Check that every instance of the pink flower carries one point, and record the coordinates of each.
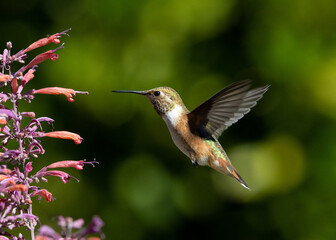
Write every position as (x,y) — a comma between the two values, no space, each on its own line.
(38,59)
(58,90)
(44,41)
(71,163)
(28,114)
(65,164)
(6,170)
(4,78)
(64,135)
(28,76)
(62,175)
(2,177)
(43,193)
(41,58)
(28,168)
(7,182)
(47,233)
(16,187)
(43,238)
(6,113)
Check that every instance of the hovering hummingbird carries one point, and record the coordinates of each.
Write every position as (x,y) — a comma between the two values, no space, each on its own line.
(195,133)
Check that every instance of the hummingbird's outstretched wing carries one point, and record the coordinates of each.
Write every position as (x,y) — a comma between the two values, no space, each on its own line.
(224,108)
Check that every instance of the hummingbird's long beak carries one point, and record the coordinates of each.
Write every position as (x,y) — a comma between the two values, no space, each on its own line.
(129,91)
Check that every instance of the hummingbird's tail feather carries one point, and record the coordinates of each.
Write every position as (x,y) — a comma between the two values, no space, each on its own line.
(223,165)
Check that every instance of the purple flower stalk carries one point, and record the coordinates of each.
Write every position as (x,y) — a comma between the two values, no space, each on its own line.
(72,229)
(18,184)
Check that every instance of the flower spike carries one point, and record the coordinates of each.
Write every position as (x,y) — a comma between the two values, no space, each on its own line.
(18,184)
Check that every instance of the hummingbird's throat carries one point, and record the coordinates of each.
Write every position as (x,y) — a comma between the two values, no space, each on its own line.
(162,107)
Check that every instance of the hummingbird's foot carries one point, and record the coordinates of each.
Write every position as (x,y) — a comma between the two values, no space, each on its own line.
(194,163)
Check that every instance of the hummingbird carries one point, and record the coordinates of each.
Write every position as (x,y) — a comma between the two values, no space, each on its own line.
(196,133)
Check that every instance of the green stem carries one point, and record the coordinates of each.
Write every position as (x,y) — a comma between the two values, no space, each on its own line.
(31,224)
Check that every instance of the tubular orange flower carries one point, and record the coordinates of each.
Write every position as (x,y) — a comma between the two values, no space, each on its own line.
(42,238)
(2,177)
(16,187)
(62,175)
(3,121)
(5,171)
(8,182)
(38,59)
(28,114)
(58,90)
(65,164)
(28,76)
(43,193)
(4,78)
(41,58)
(65,135)
(44,41)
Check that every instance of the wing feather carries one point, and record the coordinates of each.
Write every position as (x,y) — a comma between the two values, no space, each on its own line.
(224,108)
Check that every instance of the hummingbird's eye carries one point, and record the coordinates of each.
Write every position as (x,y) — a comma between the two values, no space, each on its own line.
(157,93)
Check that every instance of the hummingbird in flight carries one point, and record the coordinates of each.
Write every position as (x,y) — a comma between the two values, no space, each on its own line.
(196,133)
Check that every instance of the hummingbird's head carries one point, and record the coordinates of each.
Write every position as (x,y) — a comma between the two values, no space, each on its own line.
(163,99)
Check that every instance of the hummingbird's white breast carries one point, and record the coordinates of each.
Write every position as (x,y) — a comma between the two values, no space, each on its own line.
(172,119)
(177,123)
(173,116)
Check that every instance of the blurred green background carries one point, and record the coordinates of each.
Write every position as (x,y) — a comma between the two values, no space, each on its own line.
(144,187)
